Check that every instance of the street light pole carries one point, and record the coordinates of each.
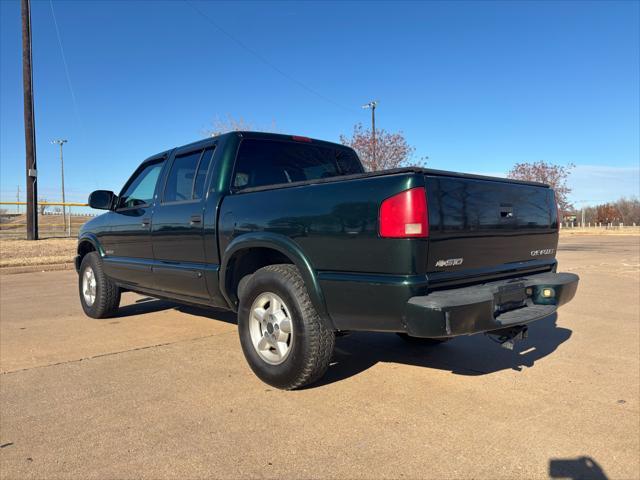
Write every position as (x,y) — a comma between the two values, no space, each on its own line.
(372,105)
(61,142)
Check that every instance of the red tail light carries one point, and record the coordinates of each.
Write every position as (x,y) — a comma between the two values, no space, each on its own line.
(405,215)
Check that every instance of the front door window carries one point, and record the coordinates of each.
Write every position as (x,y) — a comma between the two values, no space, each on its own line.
(140,188)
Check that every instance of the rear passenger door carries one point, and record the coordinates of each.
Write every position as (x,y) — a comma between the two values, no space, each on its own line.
(178,224)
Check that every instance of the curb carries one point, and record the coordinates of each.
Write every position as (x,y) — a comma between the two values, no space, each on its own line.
(36,268)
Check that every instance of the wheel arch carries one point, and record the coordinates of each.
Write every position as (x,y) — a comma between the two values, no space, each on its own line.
(87,243)
(262,249)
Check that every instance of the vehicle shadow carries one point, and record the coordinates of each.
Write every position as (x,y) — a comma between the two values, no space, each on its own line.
(582,468)
(219,314)
(469,355)
(359,351)
(151,305)
(142,306)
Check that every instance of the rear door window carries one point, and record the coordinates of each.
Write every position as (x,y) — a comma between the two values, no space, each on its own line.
(201,175)
(271,162)
(187,176)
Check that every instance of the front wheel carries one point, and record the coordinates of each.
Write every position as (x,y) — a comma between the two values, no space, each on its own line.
(283,338)
(99,295)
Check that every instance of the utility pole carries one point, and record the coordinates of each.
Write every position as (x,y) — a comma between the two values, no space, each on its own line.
(29,124)
(582,212)
(372,105)
(18,200)
(61,142)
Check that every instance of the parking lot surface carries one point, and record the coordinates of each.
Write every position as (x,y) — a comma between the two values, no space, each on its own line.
(163,391)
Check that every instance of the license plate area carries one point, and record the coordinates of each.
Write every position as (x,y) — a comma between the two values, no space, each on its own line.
(510,296)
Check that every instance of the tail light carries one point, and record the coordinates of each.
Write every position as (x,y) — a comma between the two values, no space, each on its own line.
(405,215)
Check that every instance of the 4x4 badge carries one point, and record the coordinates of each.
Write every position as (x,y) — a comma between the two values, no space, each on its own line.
(449,262)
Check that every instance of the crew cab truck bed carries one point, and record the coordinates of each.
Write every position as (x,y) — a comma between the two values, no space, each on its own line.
(292,234)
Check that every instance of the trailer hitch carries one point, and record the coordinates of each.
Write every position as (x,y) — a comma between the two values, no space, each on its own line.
(507,337)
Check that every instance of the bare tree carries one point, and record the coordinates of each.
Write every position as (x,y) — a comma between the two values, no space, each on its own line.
(554,175)
(42,208)
(391,149)
(232,124)
(629,210)
(590,214)
(625,210)
(607,213)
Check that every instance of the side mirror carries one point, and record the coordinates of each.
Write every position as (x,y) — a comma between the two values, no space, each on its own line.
(102,200)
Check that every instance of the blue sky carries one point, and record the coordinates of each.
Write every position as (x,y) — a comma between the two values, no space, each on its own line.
(475,86)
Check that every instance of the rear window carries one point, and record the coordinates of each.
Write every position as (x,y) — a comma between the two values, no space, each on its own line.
(271,162)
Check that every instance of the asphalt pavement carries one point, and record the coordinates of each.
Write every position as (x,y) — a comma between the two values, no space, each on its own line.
(163,391)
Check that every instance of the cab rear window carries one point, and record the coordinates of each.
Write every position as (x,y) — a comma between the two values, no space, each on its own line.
(272,162)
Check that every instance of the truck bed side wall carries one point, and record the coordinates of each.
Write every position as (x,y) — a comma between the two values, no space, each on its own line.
(336,226)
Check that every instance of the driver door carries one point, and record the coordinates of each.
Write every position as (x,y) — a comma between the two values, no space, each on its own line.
(128,251)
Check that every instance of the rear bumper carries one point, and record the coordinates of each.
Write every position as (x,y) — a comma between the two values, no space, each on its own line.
(490,306)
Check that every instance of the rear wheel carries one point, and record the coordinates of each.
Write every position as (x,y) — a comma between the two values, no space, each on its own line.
(423,341)
(283,338)
(99,295)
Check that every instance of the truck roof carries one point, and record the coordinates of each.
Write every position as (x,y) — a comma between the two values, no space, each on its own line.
(410,169)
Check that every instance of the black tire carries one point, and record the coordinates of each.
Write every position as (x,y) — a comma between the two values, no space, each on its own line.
(107,293)
(242,285)
(422,341)
(312,342)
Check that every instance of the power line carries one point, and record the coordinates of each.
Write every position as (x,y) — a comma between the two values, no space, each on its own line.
(64,61)
(267,62)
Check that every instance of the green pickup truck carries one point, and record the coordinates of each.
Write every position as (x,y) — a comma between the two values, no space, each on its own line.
(293,235)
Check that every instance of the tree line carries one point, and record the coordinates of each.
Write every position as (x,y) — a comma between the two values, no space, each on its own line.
(625,210)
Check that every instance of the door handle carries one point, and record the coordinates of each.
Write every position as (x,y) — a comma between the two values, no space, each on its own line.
(506,212)
(145,222)
(196,219)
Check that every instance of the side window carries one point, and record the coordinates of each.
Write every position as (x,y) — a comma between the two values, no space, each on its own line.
(201,175)
(187,176)
(140,188)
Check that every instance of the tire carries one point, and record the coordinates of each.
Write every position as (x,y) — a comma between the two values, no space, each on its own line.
(423,341)
(242,284)
(291,347)
(102,297)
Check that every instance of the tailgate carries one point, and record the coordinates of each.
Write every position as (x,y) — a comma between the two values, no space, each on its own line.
(483,224)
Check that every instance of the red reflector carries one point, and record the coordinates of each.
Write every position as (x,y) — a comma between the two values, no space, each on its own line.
(405,215)
(301,139)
